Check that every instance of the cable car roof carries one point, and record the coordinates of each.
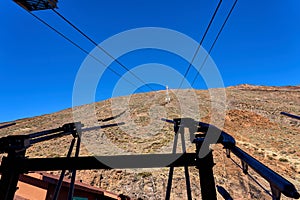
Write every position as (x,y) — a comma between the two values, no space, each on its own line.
(33,5)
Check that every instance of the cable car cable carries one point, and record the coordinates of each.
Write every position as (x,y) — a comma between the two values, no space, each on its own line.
(101,48)
(79,47)
(200,43)
(218,35)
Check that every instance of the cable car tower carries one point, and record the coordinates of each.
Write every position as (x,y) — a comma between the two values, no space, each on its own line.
(168,99)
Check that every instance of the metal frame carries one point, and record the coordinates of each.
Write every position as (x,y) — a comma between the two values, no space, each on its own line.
(15,163)
(34,5)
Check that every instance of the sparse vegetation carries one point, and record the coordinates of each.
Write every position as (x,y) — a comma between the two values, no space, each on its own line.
(252,118)
(145,174)
(283,160)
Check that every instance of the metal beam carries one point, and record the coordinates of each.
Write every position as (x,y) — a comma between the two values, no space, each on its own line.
(104,162)
(278,182)
(290,115)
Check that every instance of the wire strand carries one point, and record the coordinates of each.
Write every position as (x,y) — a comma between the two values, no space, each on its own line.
(79,47)
(211,48)
(200,43)
(101,48)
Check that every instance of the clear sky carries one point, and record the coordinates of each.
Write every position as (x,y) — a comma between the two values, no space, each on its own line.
(259,45)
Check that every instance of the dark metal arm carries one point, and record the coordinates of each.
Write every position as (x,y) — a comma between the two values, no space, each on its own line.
(290,115)
(7,125)
(275,180)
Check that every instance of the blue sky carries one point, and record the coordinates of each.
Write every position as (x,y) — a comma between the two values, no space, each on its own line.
(259,45)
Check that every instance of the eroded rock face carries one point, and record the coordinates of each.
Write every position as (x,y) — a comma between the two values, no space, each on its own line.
(252,117)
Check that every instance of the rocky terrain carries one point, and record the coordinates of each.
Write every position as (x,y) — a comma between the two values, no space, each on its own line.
(252,117)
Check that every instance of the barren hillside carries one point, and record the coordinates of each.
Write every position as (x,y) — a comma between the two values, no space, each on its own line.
(252,118)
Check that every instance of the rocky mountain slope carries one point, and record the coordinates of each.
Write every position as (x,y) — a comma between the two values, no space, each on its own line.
(252,118)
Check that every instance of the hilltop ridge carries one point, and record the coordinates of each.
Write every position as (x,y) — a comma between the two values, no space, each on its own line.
(252,117)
